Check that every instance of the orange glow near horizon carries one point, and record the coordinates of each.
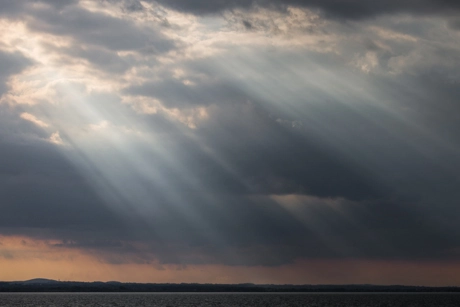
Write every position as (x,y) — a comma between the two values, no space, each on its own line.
(23,258)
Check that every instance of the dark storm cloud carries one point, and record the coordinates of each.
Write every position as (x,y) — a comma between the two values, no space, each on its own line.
(273,159)
(41,189)
(248,232)
(354,9)
(44,196)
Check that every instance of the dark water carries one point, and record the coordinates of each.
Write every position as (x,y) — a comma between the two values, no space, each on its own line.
(228,299)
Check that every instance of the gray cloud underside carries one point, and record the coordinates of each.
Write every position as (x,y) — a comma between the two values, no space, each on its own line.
(43,191)
(355,9)
(45,196)
(229,229)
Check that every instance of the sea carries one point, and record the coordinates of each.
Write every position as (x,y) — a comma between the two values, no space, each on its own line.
(229,299)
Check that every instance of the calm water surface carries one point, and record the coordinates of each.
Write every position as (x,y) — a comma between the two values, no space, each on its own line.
(228,299)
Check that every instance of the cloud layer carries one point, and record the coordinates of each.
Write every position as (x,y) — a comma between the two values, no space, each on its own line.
(252,133)
(355,9)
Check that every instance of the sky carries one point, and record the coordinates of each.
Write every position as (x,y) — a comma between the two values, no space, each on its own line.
(264,141)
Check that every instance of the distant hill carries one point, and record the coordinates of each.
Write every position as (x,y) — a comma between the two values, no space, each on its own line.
(38,281)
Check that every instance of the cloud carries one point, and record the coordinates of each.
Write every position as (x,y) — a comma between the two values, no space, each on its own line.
(454,24)
(256,137)
(91,28)
(55,138)
(14,8)
(33,119)
(355,9)
(10,63)
(176,93)
(170,221)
